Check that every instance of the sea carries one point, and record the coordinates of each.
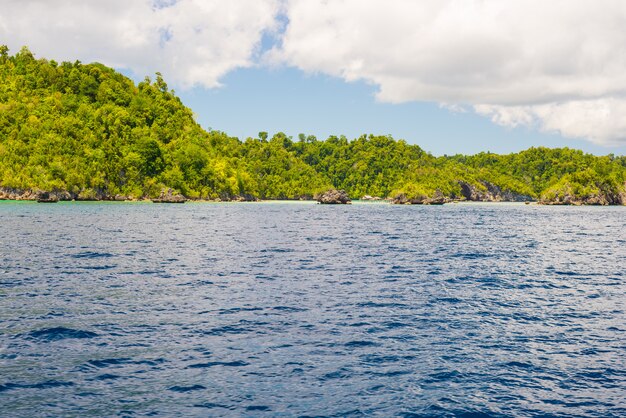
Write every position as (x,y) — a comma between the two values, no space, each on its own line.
(292,309)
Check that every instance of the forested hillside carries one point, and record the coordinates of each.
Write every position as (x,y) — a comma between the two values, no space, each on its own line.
(84,131)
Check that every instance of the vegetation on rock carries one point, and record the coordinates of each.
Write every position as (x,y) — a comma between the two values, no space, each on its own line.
(85,131)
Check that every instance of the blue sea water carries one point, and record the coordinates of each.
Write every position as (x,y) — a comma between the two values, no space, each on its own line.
(294,309)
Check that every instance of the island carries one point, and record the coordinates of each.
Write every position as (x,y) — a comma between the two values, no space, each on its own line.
(74,131)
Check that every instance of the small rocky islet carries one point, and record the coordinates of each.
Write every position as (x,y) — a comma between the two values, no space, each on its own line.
(170,196)
(333,197)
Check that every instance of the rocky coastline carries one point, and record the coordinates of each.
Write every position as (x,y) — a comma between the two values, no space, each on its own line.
(600,199)
(166,196)
(494,193)
(469,193)
(491,193)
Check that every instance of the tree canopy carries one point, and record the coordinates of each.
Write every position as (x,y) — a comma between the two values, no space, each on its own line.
(91,131)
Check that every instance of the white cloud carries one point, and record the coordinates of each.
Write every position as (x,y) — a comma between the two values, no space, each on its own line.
(601,121)
(192,42)
(559,65)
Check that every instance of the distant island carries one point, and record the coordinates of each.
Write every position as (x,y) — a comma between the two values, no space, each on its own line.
(73,131)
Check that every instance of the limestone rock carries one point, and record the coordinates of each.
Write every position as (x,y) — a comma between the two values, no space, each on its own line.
(47,197)
(333,197)
(170,196)
(493,193)
(244,198)
(437,199)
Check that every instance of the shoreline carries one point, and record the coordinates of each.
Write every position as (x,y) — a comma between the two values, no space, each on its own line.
(294,202)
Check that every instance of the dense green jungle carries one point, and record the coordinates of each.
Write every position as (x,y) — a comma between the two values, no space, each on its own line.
(87,132)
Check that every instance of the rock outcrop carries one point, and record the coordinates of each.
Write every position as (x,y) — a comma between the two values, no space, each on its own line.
(401,199)
(601,199)
(622,196)
(604,195)
(437,199)
(8,193)
(170,196)
(244,198)
(47,197)
(333,197)
(492,193)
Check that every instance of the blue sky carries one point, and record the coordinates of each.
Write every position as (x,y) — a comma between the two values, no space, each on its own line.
(288,100)
(524,73)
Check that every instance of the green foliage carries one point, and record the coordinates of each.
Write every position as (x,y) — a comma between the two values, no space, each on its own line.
(585,184)
(278,170)
(89,130)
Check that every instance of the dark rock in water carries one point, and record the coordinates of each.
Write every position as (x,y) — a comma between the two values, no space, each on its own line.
(53,196)
(401,199)
(333,197)
(169,196)
(437,199)
(46,197)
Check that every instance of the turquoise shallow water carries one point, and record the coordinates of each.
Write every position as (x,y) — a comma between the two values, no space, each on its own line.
(288,309)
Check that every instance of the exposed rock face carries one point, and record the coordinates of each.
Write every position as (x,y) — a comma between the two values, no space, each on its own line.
(7,193)
(492,194)
(605,196)
(368,197)
(90,195)
(169,196)
(469,192)
(47,197)
(437,199)
(333,197)
(401,199)
(602,199)
(622,196)
(244,198)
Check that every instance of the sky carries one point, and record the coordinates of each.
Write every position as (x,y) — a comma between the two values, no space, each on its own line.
(453,76)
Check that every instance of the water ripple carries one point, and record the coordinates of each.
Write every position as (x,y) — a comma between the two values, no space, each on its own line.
(292,309)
